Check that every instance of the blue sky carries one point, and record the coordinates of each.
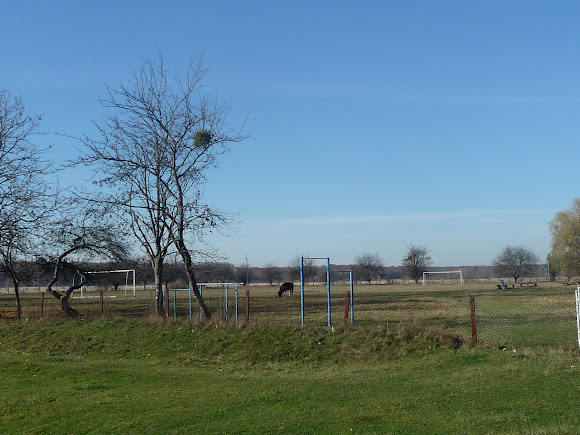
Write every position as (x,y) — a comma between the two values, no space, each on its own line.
(374,124)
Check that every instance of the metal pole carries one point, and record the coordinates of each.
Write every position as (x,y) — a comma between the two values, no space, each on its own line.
(302,288)
(226,295)
(166,303)
(351,299)
(236,303)
(328,289)
(190,312)
(175,304)
(201,311)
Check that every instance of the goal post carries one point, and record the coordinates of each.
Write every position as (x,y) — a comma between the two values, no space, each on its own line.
(127,272)
(444,272)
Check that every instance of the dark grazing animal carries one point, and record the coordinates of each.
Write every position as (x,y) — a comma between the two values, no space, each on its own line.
(287,286)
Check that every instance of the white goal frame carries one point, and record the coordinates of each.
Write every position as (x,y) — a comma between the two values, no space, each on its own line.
(126,271)
(460,272)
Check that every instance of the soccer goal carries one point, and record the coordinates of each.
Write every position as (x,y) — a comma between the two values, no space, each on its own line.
(443,276)
(129,284)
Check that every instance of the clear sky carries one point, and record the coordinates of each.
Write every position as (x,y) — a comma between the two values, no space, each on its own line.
(374,124)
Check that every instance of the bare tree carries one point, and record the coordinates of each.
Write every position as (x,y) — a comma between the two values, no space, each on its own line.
(243,272)
(516,261)
(24,193)
(368,266)
(86,233)
(173,271)
(416,261)
(163,135)
(309,269)
(271,273)
(144,271)
(223,272)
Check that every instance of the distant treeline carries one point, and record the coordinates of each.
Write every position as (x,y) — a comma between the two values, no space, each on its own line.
(174,276)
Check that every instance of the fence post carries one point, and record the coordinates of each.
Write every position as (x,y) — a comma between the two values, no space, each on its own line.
(346,307)
(41,305)
(473,328)
(166,303)
(247,305)
(101,297)
(578,313)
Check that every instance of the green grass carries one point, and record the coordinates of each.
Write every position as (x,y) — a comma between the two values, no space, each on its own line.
(542,316)
(141,376)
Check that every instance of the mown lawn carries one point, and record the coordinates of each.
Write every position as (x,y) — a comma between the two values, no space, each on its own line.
(138,376)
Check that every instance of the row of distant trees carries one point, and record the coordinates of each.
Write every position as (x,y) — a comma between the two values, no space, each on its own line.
(513,262)
(564,257)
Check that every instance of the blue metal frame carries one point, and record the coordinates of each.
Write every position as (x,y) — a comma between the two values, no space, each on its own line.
(175,290)
(226,297)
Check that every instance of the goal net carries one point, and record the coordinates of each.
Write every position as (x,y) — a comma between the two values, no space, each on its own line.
(443,276)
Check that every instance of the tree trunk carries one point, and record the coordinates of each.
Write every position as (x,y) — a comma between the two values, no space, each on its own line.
(158,277)
(18,303)
(66,308)
(190,272)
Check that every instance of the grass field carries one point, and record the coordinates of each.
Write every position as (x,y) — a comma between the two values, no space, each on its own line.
(542,316)
(146,376)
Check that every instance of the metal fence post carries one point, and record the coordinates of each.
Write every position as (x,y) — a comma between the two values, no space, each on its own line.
(200,310)
(302,288)
(236,303)
(226,303)
(166,303)
(175,304)
(328,290)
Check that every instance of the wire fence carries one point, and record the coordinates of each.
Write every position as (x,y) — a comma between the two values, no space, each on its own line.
(517,317)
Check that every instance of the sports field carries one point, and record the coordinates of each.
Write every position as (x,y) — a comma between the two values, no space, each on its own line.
(541,315)
(146,376)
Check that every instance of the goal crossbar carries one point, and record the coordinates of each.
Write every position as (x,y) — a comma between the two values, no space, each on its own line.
(127,271)
(460,272)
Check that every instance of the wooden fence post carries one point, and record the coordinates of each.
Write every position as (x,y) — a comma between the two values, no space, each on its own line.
(101,297)
(247,305)
(346,308)
(41,305)
(473,328)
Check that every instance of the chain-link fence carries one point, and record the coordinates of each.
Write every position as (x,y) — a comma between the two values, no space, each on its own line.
(542,315)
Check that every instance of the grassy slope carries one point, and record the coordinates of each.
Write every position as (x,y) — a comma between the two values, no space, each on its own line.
(134,376)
